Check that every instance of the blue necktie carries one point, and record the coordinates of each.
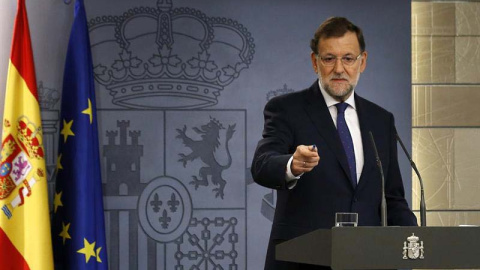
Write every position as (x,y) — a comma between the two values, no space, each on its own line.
(347,141)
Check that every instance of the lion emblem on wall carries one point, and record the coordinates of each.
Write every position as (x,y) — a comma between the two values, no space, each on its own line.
(205,150)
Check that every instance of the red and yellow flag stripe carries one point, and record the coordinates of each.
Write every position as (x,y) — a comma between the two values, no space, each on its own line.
(25,241)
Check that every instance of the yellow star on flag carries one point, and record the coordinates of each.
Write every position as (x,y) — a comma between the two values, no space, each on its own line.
(88,250)
(98,254)
(88,110)
(59,164)
(67,130)
(64,234)
(57,201)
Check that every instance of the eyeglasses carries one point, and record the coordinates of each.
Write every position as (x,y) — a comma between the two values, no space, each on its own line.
(330,61)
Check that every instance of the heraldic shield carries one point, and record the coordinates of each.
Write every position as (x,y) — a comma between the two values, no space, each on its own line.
(413,250)
(19,155)
(160,204)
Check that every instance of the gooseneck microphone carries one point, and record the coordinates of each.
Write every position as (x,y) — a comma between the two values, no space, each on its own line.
(423,207)
(384,201)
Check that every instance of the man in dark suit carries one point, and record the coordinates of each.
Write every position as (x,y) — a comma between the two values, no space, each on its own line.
(316,148)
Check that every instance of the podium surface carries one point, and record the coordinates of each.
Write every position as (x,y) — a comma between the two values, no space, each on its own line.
(386,248)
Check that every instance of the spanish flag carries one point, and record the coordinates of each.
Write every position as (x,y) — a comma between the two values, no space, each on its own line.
(25,241)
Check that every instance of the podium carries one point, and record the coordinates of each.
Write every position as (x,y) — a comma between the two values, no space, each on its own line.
(386,248)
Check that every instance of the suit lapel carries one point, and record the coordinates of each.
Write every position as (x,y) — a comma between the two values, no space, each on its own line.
(320,116)
(365,128)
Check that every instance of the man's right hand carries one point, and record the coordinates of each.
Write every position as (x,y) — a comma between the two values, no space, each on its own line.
(304,159)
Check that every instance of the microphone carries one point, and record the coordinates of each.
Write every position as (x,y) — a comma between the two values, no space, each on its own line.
(423,207)
(384,201)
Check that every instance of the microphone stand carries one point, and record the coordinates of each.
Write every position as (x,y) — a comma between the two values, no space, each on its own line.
(384,201)
(423,207)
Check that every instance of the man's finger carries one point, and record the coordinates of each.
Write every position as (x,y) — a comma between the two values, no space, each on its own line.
(306,163)
(307,152)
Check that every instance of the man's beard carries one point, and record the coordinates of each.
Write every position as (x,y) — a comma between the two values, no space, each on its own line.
(341,95)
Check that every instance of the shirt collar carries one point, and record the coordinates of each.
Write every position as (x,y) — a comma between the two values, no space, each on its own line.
(330,101)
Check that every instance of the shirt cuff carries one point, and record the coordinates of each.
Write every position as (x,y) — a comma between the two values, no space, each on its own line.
(289,177)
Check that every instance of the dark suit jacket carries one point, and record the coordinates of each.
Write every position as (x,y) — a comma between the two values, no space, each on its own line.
(302,118)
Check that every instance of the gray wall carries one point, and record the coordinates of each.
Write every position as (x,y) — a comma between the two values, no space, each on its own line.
(148,98)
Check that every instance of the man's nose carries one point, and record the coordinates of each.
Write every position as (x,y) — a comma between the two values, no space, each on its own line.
(339,68)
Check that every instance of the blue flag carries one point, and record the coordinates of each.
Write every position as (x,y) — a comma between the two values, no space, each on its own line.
(78,229)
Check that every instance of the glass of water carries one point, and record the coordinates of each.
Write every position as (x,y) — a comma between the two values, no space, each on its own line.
(346,219)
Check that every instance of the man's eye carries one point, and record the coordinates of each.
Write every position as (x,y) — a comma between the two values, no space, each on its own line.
(348,59)
(329,59)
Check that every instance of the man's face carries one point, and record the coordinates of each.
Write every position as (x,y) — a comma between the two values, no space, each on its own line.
(339,80)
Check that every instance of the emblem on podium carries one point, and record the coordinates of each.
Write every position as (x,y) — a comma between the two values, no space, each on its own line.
(413,249)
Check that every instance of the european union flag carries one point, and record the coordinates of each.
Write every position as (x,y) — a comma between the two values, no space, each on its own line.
(78,222)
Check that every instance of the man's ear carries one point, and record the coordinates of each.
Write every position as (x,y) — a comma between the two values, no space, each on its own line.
(363,64)
(314,58)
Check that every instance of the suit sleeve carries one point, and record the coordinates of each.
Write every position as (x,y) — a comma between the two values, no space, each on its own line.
(274,149)
(399,213)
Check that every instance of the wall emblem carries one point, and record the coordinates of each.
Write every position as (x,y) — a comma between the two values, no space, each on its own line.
(165,209)
(167,58)
(413,250)
(209,244)
(205,150)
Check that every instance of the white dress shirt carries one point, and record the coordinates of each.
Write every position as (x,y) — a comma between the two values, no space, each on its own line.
(351,117)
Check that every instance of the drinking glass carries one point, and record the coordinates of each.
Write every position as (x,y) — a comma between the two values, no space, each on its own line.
(346,219)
